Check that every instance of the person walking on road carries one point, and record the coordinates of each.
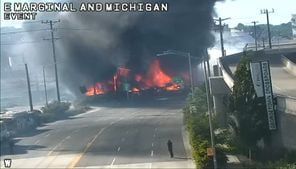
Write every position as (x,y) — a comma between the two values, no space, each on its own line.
(11,145)
(170,148)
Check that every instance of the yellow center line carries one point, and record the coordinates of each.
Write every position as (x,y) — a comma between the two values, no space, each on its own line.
(76,160)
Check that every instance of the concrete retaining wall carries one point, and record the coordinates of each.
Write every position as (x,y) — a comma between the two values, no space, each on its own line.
(286,118)
(290,66)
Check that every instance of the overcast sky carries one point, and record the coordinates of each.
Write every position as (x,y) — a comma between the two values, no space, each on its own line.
(240,11)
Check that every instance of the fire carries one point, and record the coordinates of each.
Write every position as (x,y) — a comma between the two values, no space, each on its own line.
(135,90)
(95,90)
(156,76)
(173,87)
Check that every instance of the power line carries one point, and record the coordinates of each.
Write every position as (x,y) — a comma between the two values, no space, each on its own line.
(25,31)
(20,43)
(265,11)
(50,22)
(255,33)
(221,34)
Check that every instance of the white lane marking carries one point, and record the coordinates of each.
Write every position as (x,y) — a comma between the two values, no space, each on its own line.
(154,135)
(113,161)
(91,111)
(118,149)
(151,153)
(122,139)
(76,130)
(47,135)
(152,144)
(60,143)
(36,142)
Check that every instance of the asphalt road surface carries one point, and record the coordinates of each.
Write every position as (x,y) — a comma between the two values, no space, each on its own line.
(107,137)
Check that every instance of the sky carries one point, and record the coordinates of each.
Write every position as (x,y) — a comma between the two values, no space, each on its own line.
(240,11)
(246,11)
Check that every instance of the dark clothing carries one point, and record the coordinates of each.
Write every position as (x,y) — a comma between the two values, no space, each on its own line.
(170,148)
(11,145)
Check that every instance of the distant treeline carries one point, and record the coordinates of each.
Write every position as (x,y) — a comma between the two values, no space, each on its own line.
(283,31)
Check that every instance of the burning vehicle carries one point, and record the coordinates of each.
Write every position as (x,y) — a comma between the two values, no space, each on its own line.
(129,81)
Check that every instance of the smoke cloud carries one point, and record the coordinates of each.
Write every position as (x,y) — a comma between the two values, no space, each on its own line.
(93,45)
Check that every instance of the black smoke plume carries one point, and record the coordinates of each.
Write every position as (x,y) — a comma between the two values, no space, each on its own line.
(96,43)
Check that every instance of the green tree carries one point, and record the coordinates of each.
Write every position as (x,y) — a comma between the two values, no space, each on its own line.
(250,117)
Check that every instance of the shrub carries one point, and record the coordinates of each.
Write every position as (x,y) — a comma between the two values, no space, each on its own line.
(54,111)
(197,124)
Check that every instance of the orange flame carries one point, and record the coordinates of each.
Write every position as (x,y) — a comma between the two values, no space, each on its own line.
(95,90)
(173,87)
(156,76)
(135,90)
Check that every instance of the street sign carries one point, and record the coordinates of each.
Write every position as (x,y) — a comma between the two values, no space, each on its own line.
(257,78)
(126,87)
(266,78)
(260,73)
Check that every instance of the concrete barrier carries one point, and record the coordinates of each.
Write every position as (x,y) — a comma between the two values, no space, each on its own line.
(286,104)
(286,119)
(290,66)
(227,76)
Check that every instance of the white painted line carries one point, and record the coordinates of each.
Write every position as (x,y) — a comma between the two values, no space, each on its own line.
(151,153)
(154,135)
(113,161)
(68,137)
(88,144)
(118,149)
(36,142)
(91,111)
(150,165)
(47,135)
(152,144)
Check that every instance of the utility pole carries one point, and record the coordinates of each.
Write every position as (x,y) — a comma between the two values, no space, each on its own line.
(255,34)
(206,74)
(54,55)
(45,89)
(190,72)
(29,88)
(221,33)
(265,11)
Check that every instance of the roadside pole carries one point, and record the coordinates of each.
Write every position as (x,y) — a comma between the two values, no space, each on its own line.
(29,88)
(206,57)
(45,89)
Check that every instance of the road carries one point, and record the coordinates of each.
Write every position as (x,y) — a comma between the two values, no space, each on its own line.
(107,137)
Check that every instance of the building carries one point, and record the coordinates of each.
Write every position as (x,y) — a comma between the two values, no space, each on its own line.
(293,21)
